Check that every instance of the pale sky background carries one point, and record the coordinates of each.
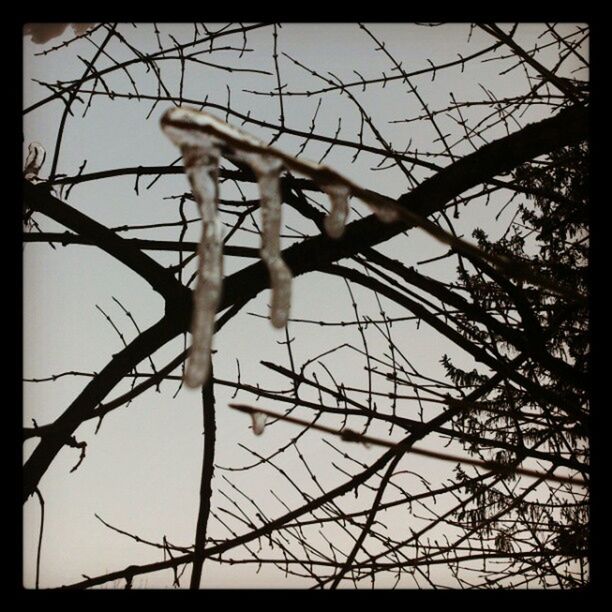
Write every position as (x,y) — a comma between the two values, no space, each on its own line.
(142,470)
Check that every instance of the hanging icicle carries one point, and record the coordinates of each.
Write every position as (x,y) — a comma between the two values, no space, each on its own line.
(202,168)
(267,169)
(202,139)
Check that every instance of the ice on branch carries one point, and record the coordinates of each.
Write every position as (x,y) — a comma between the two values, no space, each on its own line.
(34,162)
(258,420)
(203,139)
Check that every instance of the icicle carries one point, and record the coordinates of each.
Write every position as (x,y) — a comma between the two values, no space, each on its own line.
(336,219)
(202,139)
(34,161)
(267,169)
(259,422)
(188,126)
(202,167)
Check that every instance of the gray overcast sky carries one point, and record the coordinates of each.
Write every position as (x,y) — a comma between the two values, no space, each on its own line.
(142,470)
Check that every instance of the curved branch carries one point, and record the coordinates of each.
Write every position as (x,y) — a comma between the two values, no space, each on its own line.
(96,390)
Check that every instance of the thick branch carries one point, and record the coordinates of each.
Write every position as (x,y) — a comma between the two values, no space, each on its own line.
(39,199)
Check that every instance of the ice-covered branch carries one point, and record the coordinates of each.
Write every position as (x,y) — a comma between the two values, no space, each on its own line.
(202,139)
(198,133)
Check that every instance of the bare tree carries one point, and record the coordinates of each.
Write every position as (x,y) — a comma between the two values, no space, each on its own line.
(434,363)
